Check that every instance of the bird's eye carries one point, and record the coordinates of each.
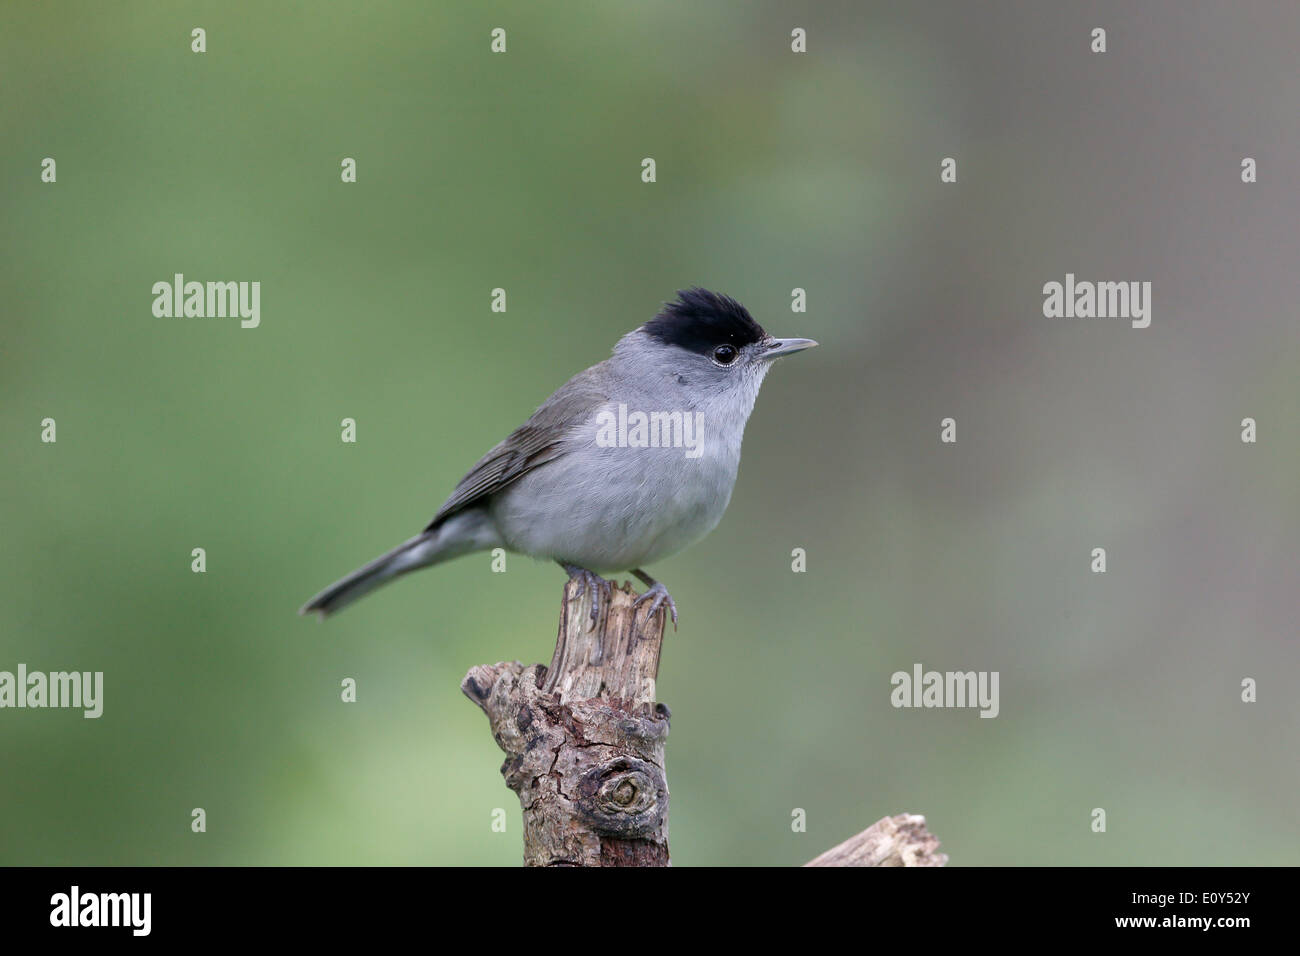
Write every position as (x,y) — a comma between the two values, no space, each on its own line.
(725,354)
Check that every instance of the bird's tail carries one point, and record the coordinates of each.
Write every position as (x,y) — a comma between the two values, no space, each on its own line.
(459,535)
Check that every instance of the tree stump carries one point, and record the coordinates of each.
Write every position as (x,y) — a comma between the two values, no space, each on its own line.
(584,738)
(584,743)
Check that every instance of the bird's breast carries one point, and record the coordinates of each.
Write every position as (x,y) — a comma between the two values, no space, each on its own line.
(612,502)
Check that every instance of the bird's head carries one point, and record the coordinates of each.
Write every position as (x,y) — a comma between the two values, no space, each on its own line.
(710,344)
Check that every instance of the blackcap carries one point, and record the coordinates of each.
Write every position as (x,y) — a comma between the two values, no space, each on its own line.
(627,463)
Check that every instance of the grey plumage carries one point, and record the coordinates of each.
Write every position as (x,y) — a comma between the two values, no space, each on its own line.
(552,490)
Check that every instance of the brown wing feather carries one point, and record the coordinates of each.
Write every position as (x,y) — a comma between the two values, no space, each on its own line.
(539,440)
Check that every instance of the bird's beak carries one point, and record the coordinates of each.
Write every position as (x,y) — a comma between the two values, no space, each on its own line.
(778,347)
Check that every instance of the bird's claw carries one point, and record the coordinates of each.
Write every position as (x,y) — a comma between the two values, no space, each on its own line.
(589,581)
(658,596)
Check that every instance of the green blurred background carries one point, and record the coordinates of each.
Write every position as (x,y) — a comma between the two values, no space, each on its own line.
(775,171)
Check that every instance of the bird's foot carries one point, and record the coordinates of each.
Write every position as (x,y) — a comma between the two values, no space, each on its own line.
(657,595)
(589,581)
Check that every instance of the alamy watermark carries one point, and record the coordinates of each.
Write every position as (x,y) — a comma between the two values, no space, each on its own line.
(946,689)
(1102,300)
(211,300)
(74,689)
(129,910)
(661,429)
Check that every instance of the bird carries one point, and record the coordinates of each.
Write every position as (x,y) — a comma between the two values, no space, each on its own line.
(627,463)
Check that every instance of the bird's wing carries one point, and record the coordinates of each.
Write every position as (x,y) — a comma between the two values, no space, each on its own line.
(534,443)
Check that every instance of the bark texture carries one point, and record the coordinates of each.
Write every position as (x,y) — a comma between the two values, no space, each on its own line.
(584,744)
(891,841)
(584,738)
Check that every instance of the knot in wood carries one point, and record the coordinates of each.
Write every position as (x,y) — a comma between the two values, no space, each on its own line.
(623,797)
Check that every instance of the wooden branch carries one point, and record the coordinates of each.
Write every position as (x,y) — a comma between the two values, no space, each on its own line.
(584,743)
(891,841)
(584,738)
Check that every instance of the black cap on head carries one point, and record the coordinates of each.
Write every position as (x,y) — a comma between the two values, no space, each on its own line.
(700,320)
